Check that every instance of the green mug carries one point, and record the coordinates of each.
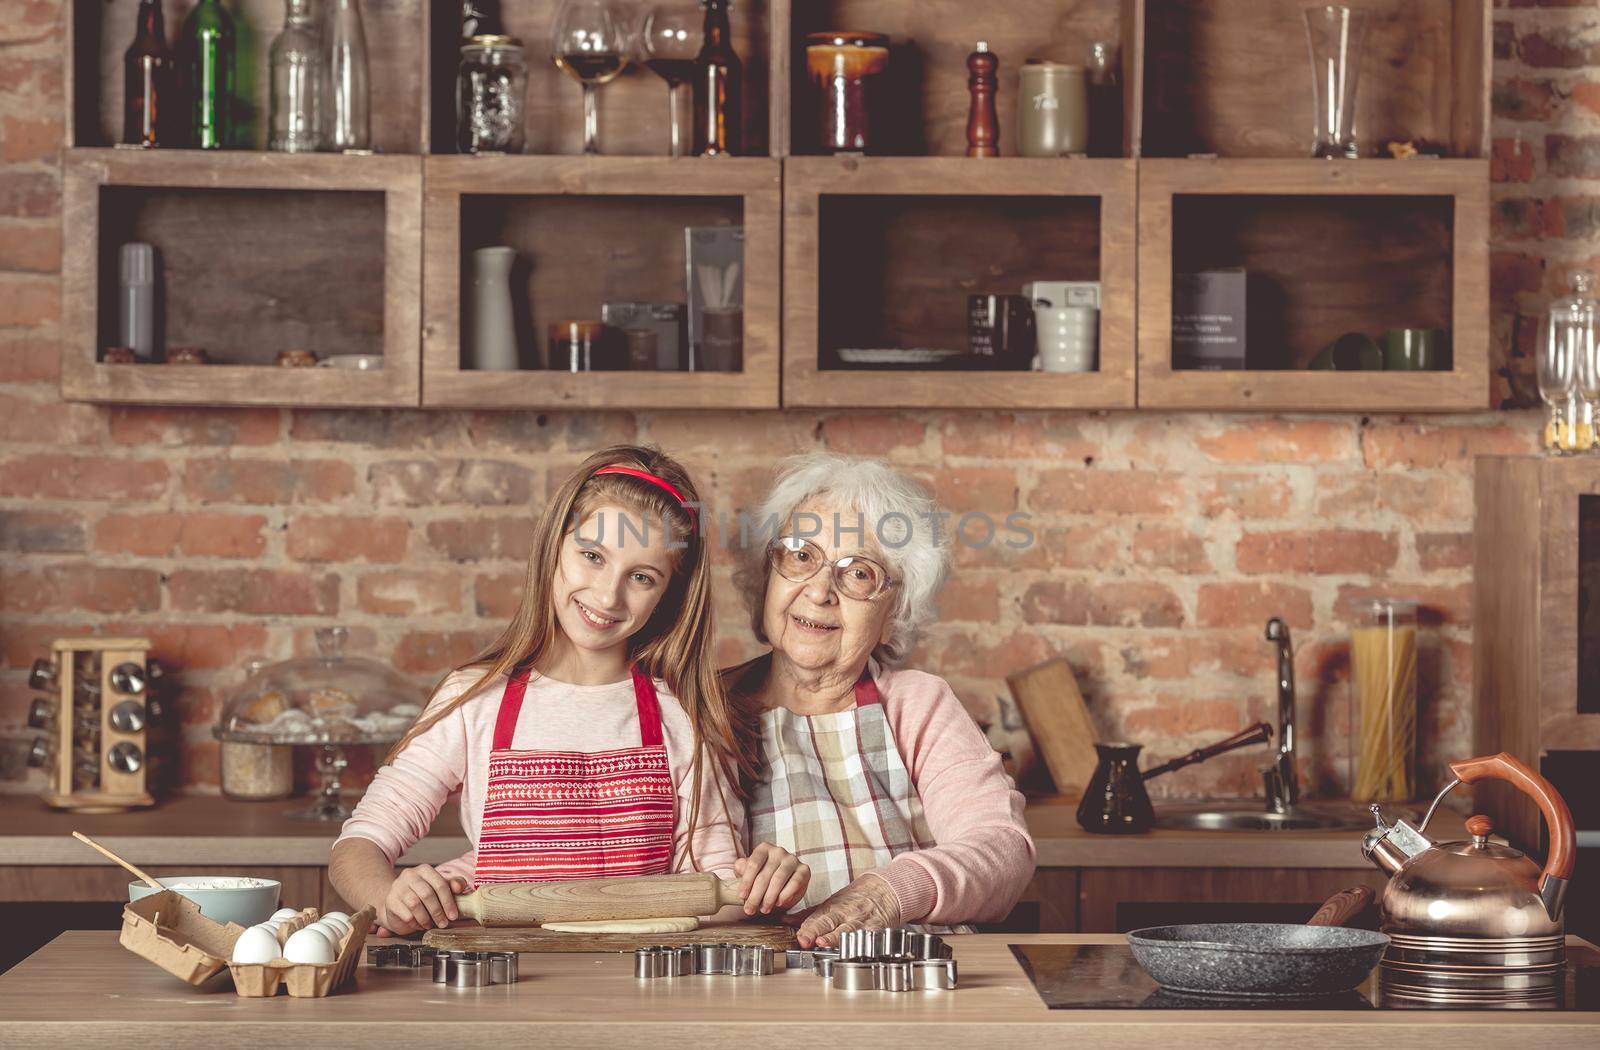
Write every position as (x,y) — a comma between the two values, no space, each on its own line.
(1412,350)
(1351,352)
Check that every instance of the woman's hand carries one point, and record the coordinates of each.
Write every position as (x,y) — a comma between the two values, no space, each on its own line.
(869,903)
(771,877)
(419,898)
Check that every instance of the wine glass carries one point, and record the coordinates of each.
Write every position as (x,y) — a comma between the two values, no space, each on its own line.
(1558,385)
(669,40)
(589,43)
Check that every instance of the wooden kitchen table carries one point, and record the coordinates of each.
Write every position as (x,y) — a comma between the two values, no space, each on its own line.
(83,989)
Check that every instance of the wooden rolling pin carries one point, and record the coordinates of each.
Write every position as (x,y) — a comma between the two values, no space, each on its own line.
(583,900)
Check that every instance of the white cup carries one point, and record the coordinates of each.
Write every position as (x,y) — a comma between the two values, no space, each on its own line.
(1068,338)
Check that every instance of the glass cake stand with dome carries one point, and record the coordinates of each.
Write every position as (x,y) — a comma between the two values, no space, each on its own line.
(331,702)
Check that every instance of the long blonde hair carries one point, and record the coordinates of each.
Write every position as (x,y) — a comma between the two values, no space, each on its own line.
(676,645)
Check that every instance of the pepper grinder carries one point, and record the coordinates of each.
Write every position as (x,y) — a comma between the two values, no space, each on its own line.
(983,124)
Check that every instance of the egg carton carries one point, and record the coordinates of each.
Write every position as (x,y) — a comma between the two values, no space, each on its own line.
(167,929)
(304,980)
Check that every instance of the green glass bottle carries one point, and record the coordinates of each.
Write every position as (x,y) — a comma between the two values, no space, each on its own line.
(208,68)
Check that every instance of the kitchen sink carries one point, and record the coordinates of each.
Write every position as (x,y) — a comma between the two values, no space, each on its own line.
(1251,815)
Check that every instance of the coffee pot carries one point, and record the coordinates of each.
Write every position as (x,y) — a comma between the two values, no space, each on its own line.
(1452,908)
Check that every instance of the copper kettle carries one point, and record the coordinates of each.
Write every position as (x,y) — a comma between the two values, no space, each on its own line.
(1474,903)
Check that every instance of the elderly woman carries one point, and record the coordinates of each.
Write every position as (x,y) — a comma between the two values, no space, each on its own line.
(875,777)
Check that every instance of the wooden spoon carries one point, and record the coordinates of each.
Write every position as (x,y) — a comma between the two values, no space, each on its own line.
(92,844)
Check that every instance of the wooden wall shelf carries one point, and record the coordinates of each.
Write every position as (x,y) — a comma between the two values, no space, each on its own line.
(907,283)
(594,228)
(597,228)
(1233,77)
(1348,246)
(345,235)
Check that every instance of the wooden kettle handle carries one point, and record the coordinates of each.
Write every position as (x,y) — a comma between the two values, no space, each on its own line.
(1563,843)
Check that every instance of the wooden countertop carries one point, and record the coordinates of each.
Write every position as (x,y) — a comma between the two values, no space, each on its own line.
(83,987)
(207,830)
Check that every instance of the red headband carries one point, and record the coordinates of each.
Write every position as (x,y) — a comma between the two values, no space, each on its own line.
(644,475)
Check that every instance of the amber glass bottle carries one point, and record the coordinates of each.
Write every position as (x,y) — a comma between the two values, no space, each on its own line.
(718,86)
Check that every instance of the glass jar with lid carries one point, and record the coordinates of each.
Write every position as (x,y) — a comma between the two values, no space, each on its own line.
(1569,375)
(329,701)
(1383,667)
(491,84)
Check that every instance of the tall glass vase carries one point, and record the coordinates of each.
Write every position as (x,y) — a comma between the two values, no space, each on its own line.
(1336,37)
(349,113)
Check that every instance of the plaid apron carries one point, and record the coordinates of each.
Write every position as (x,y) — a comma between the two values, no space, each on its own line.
(550,815)
(836,792)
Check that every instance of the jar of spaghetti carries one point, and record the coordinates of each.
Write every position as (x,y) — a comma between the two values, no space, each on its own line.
(843,66)
(1383,668)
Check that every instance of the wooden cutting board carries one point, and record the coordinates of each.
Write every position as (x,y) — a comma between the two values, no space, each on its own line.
(534,939)
(1059,720)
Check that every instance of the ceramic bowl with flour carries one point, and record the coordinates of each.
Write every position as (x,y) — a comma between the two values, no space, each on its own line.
(223,898)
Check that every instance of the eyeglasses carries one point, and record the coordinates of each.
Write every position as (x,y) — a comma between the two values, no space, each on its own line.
(799,560)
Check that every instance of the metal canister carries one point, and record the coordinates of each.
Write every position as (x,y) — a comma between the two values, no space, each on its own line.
(1052,110)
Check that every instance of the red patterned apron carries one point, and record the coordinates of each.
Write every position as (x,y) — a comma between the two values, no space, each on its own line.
(551,815)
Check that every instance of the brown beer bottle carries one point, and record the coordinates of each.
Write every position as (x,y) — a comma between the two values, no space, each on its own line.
(149,82)
(718,86)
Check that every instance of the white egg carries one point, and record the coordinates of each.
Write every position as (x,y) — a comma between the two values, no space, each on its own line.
(284,913)
(342,925)
(258,944)
(309,946)
(337,915)
(328,930)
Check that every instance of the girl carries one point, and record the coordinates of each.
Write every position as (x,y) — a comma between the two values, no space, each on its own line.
(586,732)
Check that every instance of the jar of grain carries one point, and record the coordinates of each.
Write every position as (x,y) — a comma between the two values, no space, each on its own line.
(256,772)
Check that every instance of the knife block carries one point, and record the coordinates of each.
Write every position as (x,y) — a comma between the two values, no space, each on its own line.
(97,751)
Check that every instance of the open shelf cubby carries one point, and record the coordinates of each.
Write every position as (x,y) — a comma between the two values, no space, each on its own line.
(922,95)
(587,231)
(345,244)
(1328,248)
(100,31)
(633,113)
(882,252)
(1233,77)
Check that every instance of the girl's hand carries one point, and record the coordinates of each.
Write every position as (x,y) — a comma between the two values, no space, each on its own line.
(869,903)
(420,898)
(771,877)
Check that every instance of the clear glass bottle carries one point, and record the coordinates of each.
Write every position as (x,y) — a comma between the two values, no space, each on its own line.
(1569,374)
(349,109)
(1383,668)
(299,76)
(490,87)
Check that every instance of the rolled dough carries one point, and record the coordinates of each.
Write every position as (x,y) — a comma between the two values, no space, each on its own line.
(674,925)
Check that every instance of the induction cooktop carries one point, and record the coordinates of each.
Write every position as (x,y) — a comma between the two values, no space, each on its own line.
(1106,977)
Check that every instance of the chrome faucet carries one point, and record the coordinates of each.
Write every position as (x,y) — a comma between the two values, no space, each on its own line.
(1282,782)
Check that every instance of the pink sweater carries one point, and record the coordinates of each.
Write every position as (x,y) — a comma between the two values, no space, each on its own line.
(405,796)
(985,856)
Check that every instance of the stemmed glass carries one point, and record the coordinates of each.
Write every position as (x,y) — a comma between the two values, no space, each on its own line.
(590,43)
(669,40)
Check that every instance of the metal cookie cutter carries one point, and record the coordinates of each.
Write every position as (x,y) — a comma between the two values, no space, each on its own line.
(897,959)
(729,960)
(404,956)
(475,969)
(805,959)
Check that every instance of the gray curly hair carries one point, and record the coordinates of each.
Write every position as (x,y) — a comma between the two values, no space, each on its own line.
(895,507)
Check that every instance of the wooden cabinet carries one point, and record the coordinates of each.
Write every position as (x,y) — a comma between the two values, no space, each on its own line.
(325,252)
(1536,630)
(589,230)
(1329,247)
(884,251)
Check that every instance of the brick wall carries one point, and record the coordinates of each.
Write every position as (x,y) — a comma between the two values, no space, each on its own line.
(1167,539)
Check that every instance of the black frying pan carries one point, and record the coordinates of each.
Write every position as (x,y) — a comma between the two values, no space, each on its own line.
(1261,958)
